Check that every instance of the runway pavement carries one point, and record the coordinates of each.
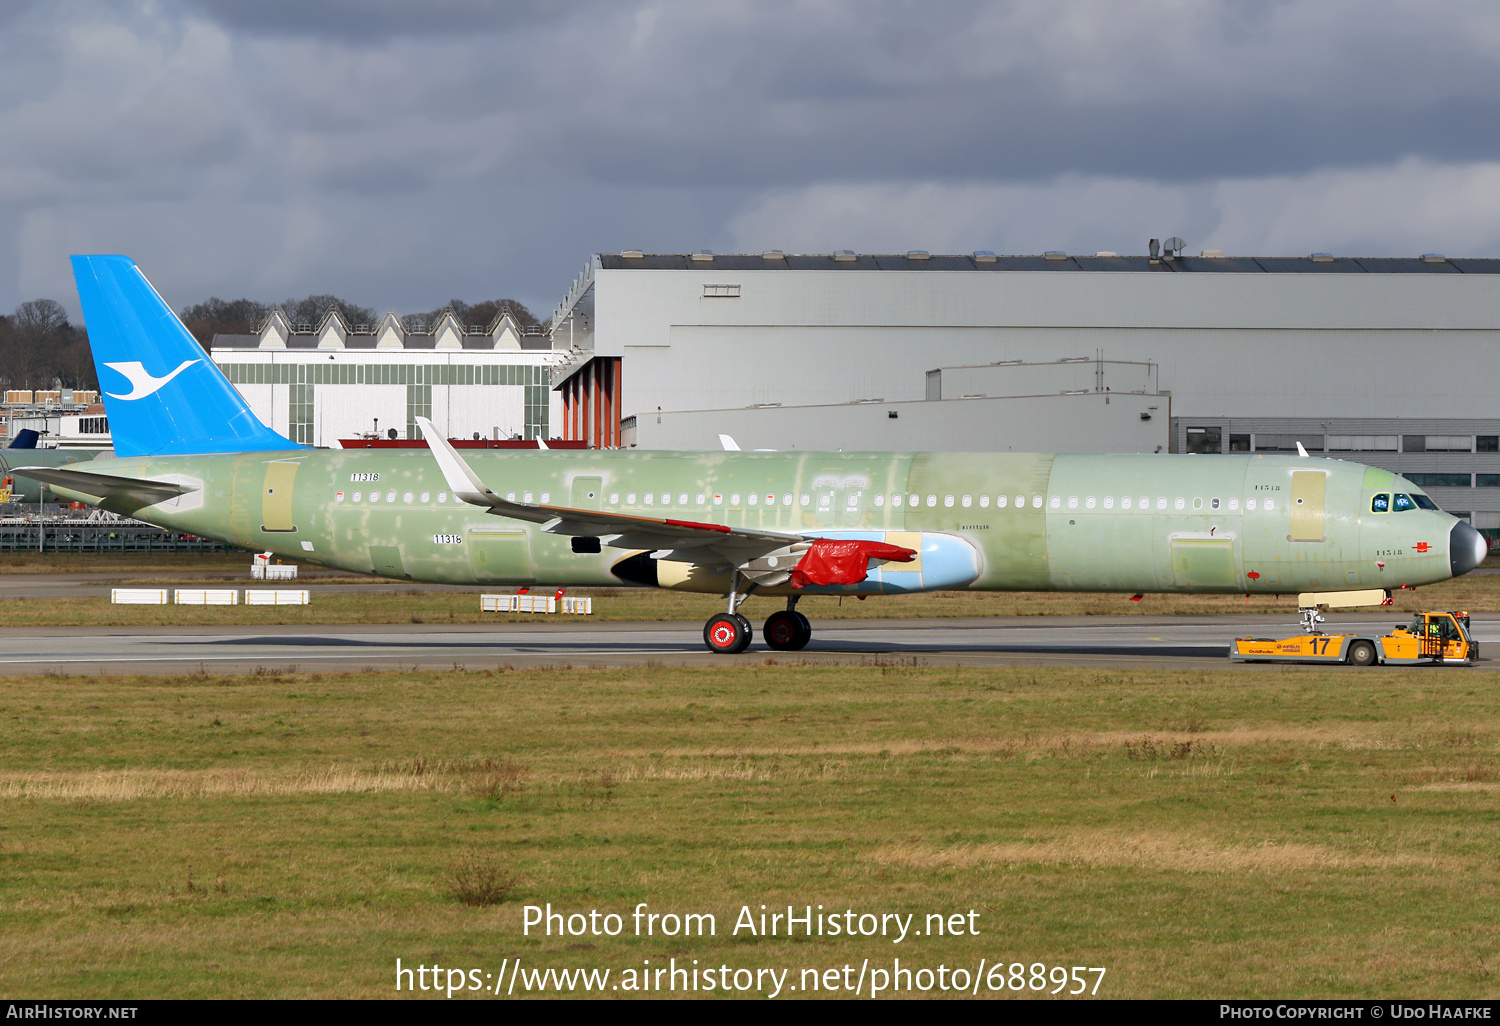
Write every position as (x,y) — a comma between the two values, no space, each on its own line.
(1177,642)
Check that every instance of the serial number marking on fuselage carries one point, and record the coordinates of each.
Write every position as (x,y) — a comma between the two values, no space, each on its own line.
(367,476)
(447,539)
(1390,552)
(1267,488)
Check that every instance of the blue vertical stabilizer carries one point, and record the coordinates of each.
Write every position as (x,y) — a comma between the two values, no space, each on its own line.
(161,391)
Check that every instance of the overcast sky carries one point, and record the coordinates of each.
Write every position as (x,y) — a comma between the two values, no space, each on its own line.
(402,153)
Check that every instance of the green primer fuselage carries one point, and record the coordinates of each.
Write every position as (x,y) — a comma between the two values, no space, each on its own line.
(1065,523)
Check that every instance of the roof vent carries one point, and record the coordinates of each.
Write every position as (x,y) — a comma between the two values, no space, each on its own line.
(1106,252)
(918,254)
(984,256)
(773,254)
(1055,254)
(631,254)
(703,255)
(1434,258)
(1321,258)
(1213,254)
(845,256)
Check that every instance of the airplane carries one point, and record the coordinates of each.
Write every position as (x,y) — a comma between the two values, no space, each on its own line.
(190,455)
(23,451)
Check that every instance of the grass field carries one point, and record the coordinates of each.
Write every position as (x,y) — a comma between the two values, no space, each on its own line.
(1285,832)
(417,605)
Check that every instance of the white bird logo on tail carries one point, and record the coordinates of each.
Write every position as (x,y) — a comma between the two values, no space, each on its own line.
(142,382)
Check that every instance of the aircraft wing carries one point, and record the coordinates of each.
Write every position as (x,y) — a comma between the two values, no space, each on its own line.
(106,486)
(732,544)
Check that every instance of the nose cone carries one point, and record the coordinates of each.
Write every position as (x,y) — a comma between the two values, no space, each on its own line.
(1466,549)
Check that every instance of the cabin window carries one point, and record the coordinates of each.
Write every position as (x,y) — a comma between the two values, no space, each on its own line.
(630,498)
(390,496)
(1249,503)
(823,499)
(1161,502)
(682,499)
(1197,502)
(1072,502)
(984,502)
(1089,502)
(407,497)
(786,500)
(649,497)
(895,500)
(614,498)
(806,499)
(700,498)
(1380,503)
(1109,502)
(1213,503)
(1036,501)
(1180,502)
(526,497)
(1124,502)
(374,496)
(931,501)
(338,497)
(1270,504)
(718,499)
(1145,502)
(1001,501)
(968,501)
(1056,502)
(1234,503)
(880,500)
(948,501)
(426,497)
(358,496)
(510,496)
(753,498)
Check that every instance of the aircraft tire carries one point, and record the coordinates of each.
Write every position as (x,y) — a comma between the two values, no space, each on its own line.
(786,631)
(727,634)
(1361,653)
(806,634)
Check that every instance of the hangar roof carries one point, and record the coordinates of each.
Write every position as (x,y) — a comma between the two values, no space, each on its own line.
(1177,265)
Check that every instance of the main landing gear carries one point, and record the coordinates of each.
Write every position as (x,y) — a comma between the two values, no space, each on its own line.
(730,633)
(787,630)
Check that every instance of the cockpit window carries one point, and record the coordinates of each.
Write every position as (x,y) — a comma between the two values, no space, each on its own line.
(1381,503)
(1403,502)
(1423,501)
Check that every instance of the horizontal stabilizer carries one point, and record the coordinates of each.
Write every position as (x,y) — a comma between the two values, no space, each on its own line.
(106,486)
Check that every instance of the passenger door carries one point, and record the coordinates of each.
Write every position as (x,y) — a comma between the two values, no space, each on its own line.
(276,497)
(1308,487)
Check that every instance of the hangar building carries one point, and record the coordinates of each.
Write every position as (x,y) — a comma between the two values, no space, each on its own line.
(319,384)
(1388,361)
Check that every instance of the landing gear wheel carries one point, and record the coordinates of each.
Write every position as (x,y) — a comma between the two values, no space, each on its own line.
(787,631)
(727,633)
(1361,653)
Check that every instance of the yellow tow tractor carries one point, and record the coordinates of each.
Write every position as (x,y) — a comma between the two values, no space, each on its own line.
(1436,637)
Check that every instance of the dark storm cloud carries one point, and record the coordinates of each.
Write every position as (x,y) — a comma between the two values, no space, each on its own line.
(405,153)
(363,20)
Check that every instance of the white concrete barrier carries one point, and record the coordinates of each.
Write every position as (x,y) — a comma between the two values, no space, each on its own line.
(277,572)
(206,597)
(518,603)
(277,597)
(580,606)
(138,596)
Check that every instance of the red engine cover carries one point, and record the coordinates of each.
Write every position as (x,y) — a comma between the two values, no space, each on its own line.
(832,561)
